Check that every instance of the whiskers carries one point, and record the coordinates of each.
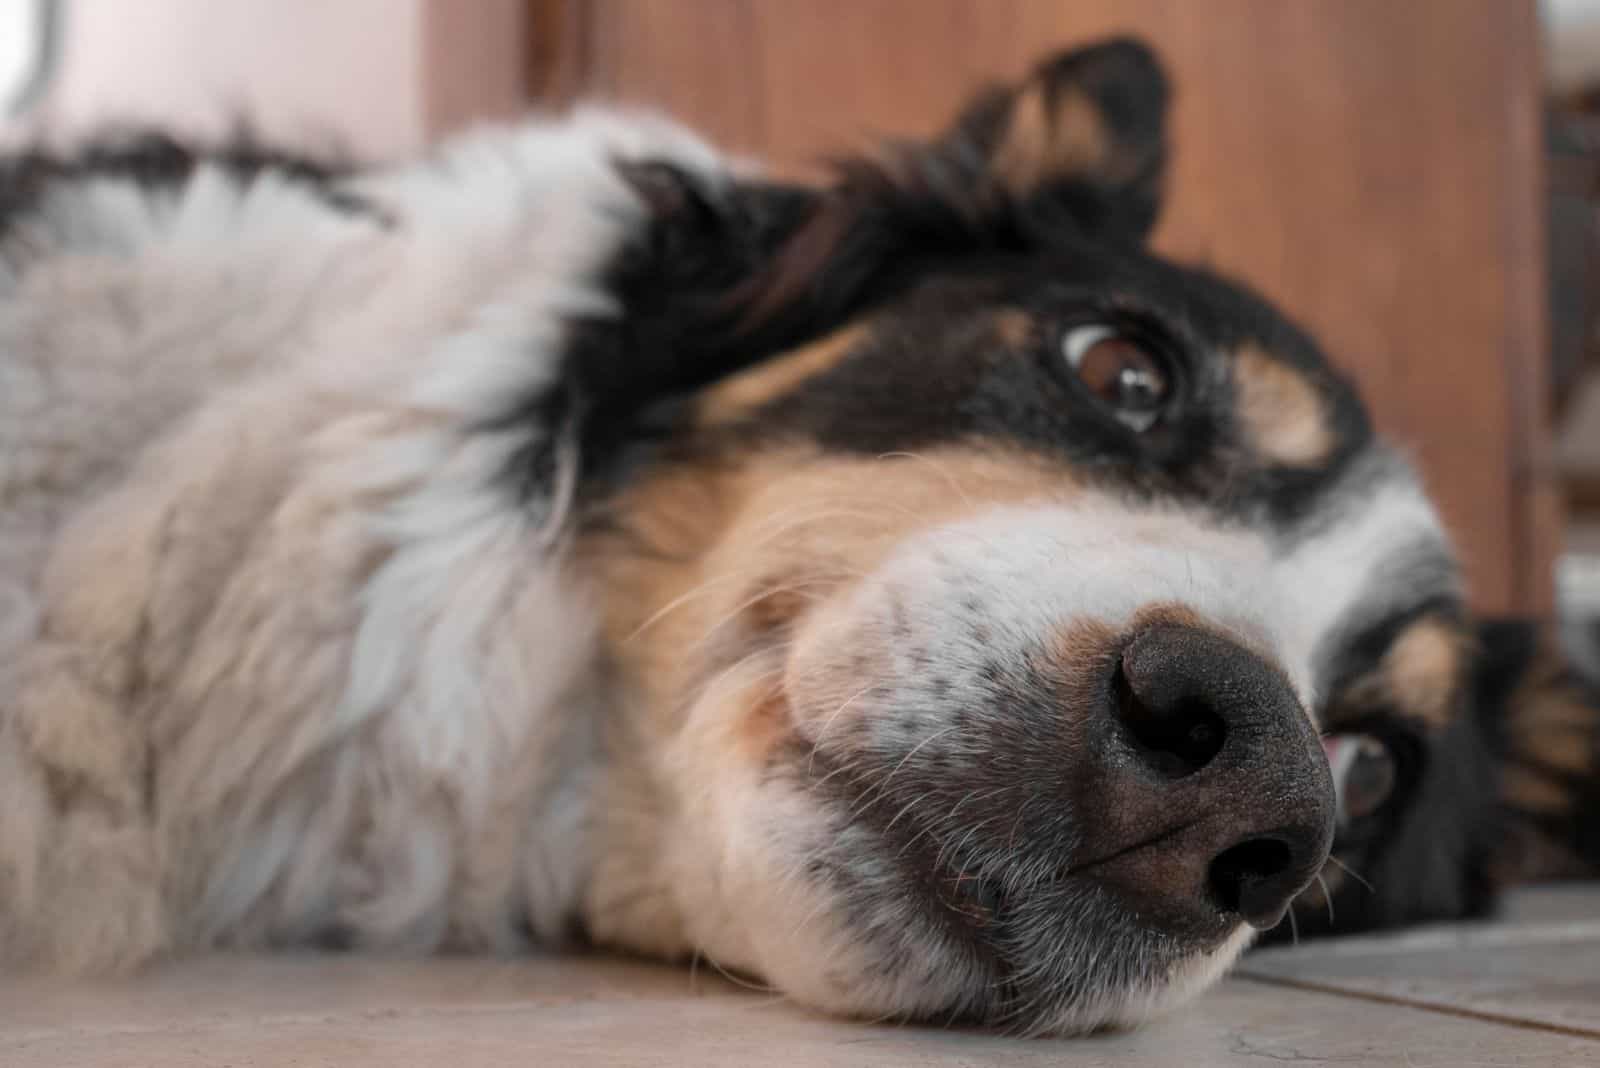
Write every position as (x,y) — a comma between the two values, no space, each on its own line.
(1327,896)
(822,733)
(1348,870)
(772,995)
(940,469)
(876,793)
(878,517)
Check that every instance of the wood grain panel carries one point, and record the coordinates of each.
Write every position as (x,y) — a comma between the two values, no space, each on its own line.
(1373,166)
(474,63)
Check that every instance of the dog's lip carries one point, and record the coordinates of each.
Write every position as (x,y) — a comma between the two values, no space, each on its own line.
(1088,867)
(1204,923)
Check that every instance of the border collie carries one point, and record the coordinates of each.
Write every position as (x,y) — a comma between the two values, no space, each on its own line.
(910,591)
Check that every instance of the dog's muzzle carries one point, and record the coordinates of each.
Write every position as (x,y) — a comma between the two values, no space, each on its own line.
(1213,795)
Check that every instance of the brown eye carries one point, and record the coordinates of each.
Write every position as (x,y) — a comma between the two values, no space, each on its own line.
(1365,774)
(1368,779)
(1120,371)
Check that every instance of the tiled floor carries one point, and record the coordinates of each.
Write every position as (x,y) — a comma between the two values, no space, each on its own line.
(1524,991)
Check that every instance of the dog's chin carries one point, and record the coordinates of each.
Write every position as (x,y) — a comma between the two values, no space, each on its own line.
(845,974)
(848,938)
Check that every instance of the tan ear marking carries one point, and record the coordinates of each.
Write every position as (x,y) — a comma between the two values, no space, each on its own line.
(1282,414)
(1048,140)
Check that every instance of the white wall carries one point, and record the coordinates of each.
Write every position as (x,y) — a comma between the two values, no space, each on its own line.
(341,74)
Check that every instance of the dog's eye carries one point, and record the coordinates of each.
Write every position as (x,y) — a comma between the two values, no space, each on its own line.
(1120,371)
(1365,774)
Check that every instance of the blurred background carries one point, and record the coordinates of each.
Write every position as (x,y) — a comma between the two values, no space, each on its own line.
(1418,181)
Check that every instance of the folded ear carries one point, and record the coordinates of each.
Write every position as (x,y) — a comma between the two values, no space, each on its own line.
(1077,148)
(1080,141)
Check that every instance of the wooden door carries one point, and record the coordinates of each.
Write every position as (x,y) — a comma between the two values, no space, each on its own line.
(1372,165)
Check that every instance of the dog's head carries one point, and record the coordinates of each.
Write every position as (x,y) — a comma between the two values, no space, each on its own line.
(978,583)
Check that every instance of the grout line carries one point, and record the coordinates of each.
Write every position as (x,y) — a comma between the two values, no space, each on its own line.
(1451,938)
(1481,1015)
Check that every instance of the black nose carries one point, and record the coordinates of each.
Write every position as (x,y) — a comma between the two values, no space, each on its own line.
(1212,761)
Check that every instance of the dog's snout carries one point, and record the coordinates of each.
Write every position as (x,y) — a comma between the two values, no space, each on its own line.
(1213,760)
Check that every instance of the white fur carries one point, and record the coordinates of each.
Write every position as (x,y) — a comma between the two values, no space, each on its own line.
(241,470)
(1343,572)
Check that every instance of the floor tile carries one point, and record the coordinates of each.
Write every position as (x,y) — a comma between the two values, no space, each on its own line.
(1521,992)
(1539,964)
(462,1014)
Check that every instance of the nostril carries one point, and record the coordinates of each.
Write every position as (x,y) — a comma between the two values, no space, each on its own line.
(1201,734)
(1249,879)
(1176,739)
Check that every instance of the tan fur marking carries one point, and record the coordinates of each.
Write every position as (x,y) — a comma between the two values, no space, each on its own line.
(760,385)
(1182,615)
(1534,792)
(1547,734)
(711,559)
(1043,143)
(1015,328)
(765,724)
(1423,668)
(1418,676)
(1551,722)
(1282,414)
(1174,615)
(1083,641)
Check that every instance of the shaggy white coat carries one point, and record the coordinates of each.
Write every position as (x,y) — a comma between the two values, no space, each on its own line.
(276,659)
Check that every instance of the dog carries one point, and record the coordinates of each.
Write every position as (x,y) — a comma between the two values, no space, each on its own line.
(911,591)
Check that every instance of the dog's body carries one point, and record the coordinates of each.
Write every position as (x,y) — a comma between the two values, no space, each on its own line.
(570,534)
(259,555)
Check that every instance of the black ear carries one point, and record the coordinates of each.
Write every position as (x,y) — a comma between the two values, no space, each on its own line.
(728,271)
(677,280)
(1075,150)
(1079,142)
(679,276)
